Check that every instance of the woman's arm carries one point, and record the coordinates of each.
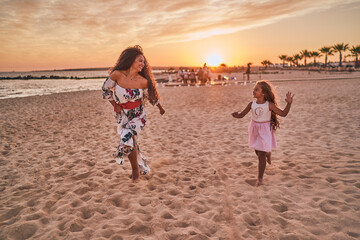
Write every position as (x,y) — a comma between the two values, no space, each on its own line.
(117,107)
(278,111)
(144,83)
(243,113)
(162,111)
(107,87)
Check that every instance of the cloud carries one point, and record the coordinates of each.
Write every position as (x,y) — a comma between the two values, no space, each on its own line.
(91,24)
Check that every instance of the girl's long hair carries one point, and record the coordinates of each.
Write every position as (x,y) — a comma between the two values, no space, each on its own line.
(126,60)
(269,95)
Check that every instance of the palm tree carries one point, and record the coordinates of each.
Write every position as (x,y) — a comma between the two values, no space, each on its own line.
(315,54)
(328,51)
(305,54)
(266,63)
(283,58)
(296,58)
(346,56)
(290,60)
(355,50)
(339,48)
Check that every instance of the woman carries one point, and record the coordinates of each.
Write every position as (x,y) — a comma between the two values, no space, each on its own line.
(132,81)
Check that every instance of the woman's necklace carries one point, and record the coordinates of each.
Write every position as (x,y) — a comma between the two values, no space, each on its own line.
(128,77)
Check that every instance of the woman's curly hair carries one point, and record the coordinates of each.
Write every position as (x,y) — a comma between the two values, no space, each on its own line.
(126,60)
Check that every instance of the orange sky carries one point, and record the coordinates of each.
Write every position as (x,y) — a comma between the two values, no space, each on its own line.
(54,34)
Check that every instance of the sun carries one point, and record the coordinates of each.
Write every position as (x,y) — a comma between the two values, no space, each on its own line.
(213,60)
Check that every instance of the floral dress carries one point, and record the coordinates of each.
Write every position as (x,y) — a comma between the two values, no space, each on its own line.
(130,121)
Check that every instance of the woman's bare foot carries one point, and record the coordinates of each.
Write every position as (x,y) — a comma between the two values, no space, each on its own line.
(259,182)
(268,158)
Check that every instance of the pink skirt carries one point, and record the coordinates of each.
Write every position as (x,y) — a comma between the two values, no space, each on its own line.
(261,136)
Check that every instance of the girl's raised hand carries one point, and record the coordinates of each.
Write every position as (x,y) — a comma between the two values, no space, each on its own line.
(289,97)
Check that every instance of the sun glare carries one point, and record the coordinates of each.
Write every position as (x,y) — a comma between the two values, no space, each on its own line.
(213,60)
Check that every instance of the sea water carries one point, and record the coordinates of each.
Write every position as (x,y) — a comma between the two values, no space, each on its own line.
(14,88)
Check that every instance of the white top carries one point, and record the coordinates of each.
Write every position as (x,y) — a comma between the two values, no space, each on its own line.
(179,73)
(260,112)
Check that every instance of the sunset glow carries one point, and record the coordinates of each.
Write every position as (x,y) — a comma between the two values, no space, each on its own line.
(214,60)
(77,34)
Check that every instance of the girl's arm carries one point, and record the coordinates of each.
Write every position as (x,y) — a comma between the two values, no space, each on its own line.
(243,113)
(278,111)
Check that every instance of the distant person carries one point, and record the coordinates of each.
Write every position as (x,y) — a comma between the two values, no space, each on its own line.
(264,122)
(205,73)
(180,75)
(199,74)
(186,76)
(248,71)
(192,76)
(131,81)
(209,74)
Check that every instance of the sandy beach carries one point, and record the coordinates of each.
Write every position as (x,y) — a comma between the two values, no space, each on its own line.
(59,180)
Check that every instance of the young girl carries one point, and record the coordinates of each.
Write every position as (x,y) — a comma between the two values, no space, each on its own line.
(264,122)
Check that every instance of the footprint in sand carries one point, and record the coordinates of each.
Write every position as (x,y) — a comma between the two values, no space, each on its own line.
(11,213)
(192,187)
(186,179)
(118,201)
(252,219)
(108,233)
(107,171)
(329,207)
(86,212)
(200,208)
(81,176)
(282,222)
(280,207)
(251,182)
(247,164)
(49,206)
(82,190)
(76,203)
(144,202)
(202,184)
(151,187)
(35,216)
(181,224)
(76,227)
(139,228)
(33,202)
(23,231)
(331,179)
(167,215)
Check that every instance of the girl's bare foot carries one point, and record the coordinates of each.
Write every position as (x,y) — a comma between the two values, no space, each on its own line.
(268,158)
(259,182)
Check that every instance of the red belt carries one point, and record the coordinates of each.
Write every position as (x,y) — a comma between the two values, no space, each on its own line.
(130,105)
